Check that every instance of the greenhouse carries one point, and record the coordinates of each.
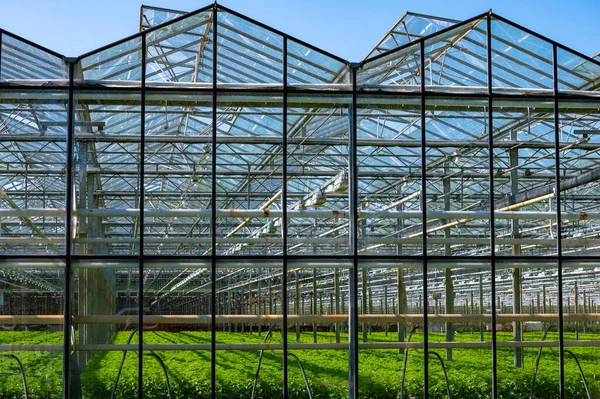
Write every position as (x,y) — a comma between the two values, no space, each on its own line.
(212,208)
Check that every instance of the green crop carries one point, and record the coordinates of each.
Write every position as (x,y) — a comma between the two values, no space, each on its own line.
(380,370)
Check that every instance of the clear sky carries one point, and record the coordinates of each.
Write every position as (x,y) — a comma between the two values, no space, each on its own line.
(347,28)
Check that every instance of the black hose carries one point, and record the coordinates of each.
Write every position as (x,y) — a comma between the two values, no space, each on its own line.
(585,385)
(537,364)
(262,351)
(133,332)
(164,368)
(405,360)
(303,374)
(11,356)
(443,369)
(281,353)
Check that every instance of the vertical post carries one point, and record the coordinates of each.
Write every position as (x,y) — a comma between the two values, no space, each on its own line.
(364,307)
(213,200)
(284,225)
(353,200)
(481,309)
(576,310)
(448,283)
(492,208)
(336,289)
(297,303)
(561,338)
(425,305)
(314,303)
(142,195)
(401,298)
(68,227)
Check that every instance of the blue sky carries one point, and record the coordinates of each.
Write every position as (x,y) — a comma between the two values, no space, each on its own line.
(347,28)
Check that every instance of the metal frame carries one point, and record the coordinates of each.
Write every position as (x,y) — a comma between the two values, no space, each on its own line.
(304,117)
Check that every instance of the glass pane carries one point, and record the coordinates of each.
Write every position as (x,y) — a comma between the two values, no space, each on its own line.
(122,62)
(457,177)
(461,293)
(31,334)
(524,178)
(153,16)
(178,181)
(247,53)
(106,327)
(580,306)
(181,52)
(399,70)
(390,305)
(249,340)
(23,61)
(309,68)
(458,57)
(526,306)
(576,73)
(249,176)
(579,136)
(177,335)
(33,127)
(106,154)
(389,171)
(318,303)
(520,61)
(317,157)
(409,28)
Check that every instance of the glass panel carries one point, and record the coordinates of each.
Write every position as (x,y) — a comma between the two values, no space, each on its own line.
(178,181)
(457,177)
(411,27)
(105,320)
(524,178)
(318,303)
(23,61)
(317,158)
(389,175)
(581,283)
(526,306)
(399,70)
(31,334)
(576,72)
(247,53)
(249,175)
(309,68)
(459,292)
(390,301)
(178,321)
(520,61)
(458,57)
(579,136)
(153,16)
(249,329)
(106,154)
(122,62)
(33,128)
(181,51)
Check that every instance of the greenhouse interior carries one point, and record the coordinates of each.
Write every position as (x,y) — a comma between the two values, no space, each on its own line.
(212,208)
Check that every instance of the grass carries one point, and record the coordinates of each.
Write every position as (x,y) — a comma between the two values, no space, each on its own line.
(380,371)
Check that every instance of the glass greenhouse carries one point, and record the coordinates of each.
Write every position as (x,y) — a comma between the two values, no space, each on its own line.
(213,208)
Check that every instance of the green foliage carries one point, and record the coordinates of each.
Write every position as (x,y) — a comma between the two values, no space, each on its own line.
(380,370)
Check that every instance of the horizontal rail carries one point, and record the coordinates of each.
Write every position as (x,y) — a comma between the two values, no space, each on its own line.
(278,319)
(302,346)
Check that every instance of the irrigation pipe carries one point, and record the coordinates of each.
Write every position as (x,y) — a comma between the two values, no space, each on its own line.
(11,356)
(269,333)
(537,364)
(162,364)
